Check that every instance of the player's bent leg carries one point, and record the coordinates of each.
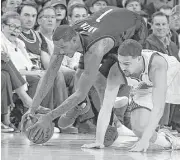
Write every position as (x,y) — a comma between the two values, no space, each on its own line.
(164,138)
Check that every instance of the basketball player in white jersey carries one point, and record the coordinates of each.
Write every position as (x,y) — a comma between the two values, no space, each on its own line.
(155,80)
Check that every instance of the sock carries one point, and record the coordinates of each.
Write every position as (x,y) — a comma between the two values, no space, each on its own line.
(162,141)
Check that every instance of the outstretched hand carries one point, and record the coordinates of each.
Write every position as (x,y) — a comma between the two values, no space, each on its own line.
(93,145)
(140,146)
(40,127)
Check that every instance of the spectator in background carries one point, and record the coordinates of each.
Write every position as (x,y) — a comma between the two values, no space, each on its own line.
(166,9)
(160,39)
(10,5)
(61,11)
(72,2)
(77,12)
(96,5)
(34,44)
(132,5)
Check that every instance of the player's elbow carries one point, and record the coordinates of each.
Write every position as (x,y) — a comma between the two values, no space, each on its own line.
(81,95)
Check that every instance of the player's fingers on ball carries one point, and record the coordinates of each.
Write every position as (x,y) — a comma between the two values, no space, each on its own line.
(38,135)
(35,134)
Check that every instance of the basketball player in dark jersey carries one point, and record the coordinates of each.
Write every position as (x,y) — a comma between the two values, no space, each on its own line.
(96,37)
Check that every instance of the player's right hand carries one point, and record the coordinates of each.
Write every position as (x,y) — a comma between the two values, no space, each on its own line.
(93,145)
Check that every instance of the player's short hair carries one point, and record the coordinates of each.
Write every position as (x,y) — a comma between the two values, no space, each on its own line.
(77,5)
(9,15)
(64,32)
(131,48)
(27,3)
(158,14)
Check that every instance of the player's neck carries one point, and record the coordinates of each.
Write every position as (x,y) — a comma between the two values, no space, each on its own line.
(141,69)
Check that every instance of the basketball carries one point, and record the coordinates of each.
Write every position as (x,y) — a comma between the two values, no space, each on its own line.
(110,136)
(43,138)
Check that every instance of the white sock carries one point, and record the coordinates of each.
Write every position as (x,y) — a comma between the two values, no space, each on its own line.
(162,141)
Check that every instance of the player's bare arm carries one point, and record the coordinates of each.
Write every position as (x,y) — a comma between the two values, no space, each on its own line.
(95,55)
(114,80)
(158,75)
(47,80)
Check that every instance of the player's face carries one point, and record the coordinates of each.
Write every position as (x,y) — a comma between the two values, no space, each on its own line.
(160,26)
(67,48)
(129,65)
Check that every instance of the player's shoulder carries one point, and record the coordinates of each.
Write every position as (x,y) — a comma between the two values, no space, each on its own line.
(159,61)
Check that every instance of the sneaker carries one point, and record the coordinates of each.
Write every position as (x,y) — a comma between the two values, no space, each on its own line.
(87,127)
(175,141)
(174,132)
(69,118)
(70,130)
(110,136)
(6,129)
(121,102)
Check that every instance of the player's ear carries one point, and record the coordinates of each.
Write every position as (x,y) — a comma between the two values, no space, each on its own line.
(74,39)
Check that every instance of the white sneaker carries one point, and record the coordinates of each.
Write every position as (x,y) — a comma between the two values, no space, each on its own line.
(175,141)
(121,102)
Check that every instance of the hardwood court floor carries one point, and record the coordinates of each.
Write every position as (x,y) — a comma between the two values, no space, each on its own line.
(15,146)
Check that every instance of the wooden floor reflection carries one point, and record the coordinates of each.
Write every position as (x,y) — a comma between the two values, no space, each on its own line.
(68,147)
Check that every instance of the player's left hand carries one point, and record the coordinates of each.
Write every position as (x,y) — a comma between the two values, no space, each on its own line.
(140,146)
(40,127)
(93,145)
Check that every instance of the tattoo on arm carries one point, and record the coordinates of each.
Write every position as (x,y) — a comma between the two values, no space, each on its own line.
(47,80)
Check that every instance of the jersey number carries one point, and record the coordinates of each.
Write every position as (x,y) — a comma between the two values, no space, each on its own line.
(99,19)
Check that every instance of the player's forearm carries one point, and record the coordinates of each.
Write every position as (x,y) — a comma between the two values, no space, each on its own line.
(105,114)
(67,105)
(84,85)
(46,82)
(156,113)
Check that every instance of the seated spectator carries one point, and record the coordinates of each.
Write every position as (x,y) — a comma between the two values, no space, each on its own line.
(72,2)
(166,9)
(61,11)
(12,81)
(34,45)
(132,5)
(160,39)
(10,5)
(96,5)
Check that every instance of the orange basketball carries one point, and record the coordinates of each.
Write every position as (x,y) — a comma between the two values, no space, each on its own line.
(44,137)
